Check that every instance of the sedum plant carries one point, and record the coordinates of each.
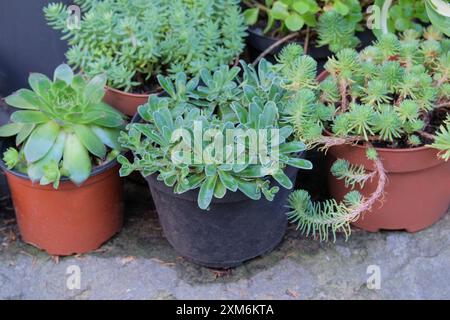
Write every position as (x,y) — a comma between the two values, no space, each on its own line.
(133,40)
(335,21)
(394,94)
(164,143)
(62,128)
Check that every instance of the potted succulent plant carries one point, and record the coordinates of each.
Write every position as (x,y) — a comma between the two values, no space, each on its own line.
(383,116)
(320,27)
(219,199)
(133,41)
(61,166)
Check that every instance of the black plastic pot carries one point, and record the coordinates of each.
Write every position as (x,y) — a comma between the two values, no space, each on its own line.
(27,43)
(233,230)
(259,43)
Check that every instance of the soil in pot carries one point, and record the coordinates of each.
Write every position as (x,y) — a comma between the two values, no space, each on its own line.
(233,230)
(417,193)
(71,219)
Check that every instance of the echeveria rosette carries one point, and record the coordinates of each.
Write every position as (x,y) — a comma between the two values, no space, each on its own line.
(134,40)
(222,101)
(63,127)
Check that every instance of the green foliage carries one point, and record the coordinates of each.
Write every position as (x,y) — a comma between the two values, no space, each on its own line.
(351,174)
(335,21)
(60,126)
(405,15)
(391,94)
(133,40)
(386,93)
(176,140)
(319,219)
(442,141)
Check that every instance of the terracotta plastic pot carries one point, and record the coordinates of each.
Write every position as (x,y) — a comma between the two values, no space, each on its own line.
(234,230)
(70,219)
(417,193)
(125,102)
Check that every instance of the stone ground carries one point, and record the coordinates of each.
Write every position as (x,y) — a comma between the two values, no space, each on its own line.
(140,264)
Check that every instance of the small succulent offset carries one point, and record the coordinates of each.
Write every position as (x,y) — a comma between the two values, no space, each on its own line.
(134,40)
(394,94)
(62,129)
(335,21)
(220,104)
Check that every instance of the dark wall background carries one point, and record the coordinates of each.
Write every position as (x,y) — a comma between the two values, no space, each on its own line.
(27,44)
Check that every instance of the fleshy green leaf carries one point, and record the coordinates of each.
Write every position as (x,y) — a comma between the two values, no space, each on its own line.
(76,161)
(283,179)
(40,141)
(249,188)
(24,132)
(95,89)
(251,16)
(10,129)
(64,72)
(36,170)
(90,140)
(108,136)
(23,99)
(26,116)
(40,83)
(294,22)
(206,192)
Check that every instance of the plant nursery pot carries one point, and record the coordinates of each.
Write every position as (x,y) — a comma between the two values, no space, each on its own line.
(417,193)
(125,102)
(233,230)
(71,219)
(260,42)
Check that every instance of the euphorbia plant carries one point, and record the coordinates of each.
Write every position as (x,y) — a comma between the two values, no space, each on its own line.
(62,129)
(394,94)
(335,21)
(132,41)
(194,116)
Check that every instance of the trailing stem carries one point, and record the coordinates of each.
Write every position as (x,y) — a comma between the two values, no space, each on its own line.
(274,46)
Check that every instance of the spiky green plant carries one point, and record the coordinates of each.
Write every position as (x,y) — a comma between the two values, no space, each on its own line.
(134,40)
(393,94)
(177,139)
(335,21)
(63,127)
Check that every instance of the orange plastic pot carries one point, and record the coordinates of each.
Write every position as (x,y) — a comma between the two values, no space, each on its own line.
(71,219)
(417,193)
(125,102)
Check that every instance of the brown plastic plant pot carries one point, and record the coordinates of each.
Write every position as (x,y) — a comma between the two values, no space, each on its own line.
(125,102)
(71,219)
(417,193)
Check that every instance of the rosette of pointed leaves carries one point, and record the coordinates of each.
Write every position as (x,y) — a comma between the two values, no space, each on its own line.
(62,128)
(134,40)
(178,132)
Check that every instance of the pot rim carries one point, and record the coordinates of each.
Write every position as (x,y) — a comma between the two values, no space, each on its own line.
(133,95)
(95,172)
